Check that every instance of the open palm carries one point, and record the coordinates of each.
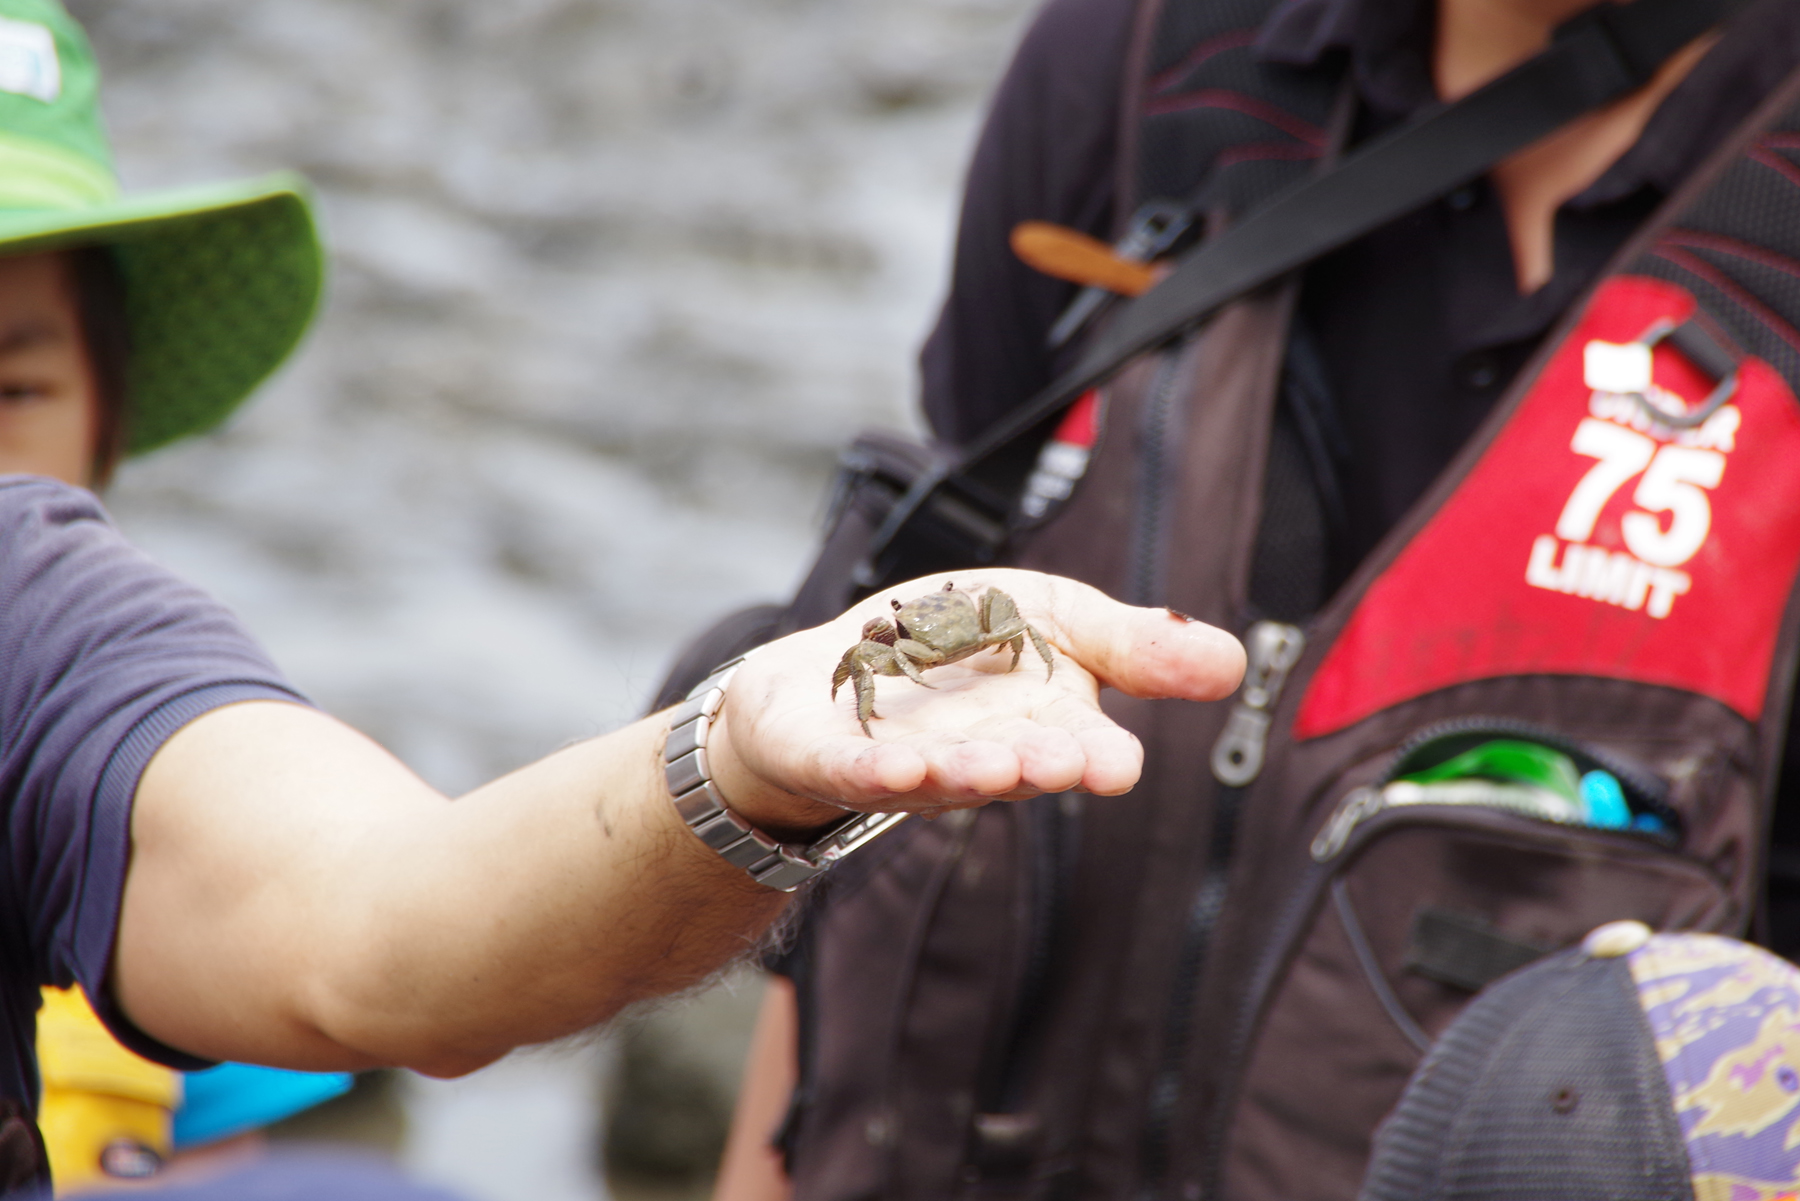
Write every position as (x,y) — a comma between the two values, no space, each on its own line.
(982,731)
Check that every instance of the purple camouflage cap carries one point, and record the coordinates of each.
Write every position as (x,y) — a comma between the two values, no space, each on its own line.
(1638,1065)
(1726,1020)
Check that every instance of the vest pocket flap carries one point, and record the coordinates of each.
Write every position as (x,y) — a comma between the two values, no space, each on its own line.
(1463,950)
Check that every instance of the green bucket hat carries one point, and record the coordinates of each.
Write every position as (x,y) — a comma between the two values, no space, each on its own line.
(220,281)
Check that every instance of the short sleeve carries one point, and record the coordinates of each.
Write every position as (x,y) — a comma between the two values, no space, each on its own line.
(103,656)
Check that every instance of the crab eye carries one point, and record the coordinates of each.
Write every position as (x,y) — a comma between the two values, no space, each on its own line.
(894,603)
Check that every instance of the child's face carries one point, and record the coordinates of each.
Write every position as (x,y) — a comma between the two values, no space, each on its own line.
(48,410)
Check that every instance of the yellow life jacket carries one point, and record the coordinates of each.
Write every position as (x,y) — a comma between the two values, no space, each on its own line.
(106,1113)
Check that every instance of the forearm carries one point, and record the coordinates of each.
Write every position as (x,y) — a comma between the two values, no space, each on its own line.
(593,890)
(345,915)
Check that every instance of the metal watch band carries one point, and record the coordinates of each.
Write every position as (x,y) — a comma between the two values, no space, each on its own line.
(778,865)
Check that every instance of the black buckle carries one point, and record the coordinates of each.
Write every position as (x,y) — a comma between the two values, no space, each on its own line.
(1154,230)
(1705,352)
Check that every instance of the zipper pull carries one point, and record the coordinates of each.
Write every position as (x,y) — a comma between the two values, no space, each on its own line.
(1359,805)
(1272,648)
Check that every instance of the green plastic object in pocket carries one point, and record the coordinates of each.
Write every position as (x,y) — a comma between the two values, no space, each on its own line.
(1512,761)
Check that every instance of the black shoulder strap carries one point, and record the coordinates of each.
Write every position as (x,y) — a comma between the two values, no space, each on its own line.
(1603,54)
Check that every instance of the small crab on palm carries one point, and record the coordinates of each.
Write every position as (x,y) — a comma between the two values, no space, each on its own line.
(937,628)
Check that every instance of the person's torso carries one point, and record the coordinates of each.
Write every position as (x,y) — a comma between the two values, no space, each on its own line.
(1215,986)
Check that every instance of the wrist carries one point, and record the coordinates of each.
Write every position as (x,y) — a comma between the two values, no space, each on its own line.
(785,815)
(770,860)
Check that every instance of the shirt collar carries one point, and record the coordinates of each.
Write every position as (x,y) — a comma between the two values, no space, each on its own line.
(1387,44)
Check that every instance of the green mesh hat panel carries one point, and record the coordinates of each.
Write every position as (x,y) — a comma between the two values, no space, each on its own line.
(221,281)
(215,302)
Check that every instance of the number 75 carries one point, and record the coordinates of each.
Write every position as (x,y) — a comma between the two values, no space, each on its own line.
(1675,478)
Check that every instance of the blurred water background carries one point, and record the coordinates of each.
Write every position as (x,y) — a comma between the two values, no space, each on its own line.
(611,282)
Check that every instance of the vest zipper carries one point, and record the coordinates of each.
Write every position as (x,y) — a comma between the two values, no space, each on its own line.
(1360,804)
(1000,1119)
(1155,426)
(1272,649)
(1056,846)
(1052,844)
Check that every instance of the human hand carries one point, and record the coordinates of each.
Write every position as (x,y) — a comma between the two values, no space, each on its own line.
(788,757)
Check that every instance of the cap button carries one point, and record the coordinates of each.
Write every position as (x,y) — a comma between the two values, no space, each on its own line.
(1615,939)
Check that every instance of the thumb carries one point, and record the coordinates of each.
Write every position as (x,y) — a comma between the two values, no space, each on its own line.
(1148,653)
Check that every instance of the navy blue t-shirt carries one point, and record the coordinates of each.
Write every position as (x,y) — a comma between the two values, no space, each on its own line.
(103,655)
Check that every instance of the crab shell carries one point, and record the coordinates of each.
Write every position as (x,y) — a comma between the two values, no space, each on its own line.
(931,631)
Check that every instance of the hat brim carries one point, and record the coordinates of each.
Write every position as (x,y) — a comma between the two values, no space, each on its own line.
(221,282)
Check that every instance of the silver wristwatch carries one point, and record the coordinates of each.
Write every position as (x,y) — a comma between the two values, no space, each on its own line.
(779,865)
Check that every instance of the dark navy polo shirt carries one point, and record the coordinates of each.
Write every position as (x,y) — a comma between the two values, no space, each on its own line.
(103,655)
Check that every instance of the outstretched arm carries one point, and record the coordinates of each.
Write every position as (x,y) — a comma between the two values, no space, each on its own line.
(296,896)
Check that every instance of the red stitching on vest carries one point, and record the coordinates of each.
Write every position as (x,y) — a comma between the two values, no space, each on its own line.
(1199,54)
(1666,250)
(1248,105)
(1766,155)
(1693,239)
(1264,150)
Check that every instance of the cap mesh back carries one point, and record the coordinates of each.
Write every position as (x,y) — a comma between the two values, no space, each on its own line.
(1548,1087)
(217,299)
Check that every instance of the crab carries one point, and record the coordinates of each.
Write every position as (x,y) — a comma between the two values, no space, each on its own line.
(937,628)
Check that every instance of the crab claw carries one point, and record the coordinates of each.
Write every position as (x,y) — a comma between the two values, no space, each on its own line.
(842,673)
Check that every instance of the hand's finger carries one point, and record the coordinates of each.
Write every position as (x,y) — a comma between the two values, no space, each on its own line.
(927,770)
(1141,652)
(964,769)
(1007,758)
(1144,652)
(1050,758)
(1114,759)
(858,771)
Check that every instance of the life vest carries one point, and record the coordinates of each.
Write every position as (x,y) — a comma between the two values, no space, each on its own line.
(1217,986)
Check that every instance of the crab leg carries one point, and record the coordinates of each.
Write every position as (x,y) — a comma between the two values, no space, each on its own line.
(865,696)
(855,668)
(1000,628)
(1000,619)
(843,671)
(907,656)
(1043,650)
(990,620)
